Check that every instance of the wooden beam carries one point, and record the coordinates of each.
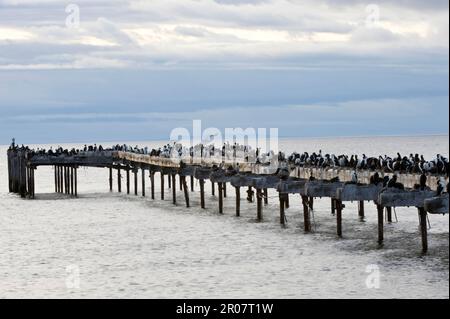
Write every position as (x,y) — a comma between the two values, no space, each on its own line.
(437,205)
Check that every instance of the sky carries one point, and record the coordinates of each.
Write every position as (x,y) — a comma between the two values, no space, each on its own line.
(118,70)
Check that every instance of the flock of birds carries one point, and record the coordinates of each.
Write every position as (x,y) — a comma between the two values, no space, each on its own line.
(398,164)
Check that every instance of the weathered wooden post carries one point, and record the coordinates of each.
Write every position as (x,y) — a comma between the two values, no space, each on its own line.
(152,182)
(306,213)
(128,179)
(361,212)
(61,179)
(119,180)
(259,204)
(423,229)
(174,188)
(33,193)
(380,224)
(186,190)
(135,173)
(110,179)
(238,201)
(143,182)
(202,193)
(339,208)
(250,194)
(72,181)
(282,208)
(56,178)
(389,214)
(66,180)
(76,181)
(162,184)
(220,187)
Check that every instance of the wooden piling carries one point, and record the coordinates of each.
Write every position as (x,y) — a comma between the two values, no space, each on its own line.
(238,201)
(162,185)
(152,186)
(174,189)
(423,229)
(380,210)
(143,182)
(119,181)
(135,173)
(186,190)
(56,178)
(282,208)
(250,194)
(259,202)
(202,193)
(76,181)
(128,180)
(220,188)
(339,208)
(61,179)
(361,211)
(110,179)
(72,181)
(389,214)
(306,213)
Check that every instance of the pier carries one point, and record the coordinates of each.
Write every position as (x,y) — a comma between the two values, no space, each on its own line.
(255,179)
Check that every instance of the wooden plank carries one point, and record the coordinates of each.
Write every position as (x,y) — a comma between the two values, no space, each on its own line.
(437,205)
(402,198)
(292,186)
(322,189)
(354,192)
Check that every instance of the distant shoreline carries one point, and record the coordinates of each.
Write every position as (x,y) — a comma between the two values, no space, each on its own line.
(281,138)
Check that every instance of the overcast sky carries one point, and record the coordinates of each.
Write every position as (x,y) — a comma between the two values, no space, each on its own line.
(134,70)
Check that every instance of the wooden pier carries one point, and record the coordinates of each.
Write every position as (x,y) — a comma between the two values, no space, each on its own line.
(255,179)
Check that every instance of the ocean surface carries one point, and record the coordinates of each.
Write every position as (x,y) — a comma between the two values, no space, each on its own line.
(110,245)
